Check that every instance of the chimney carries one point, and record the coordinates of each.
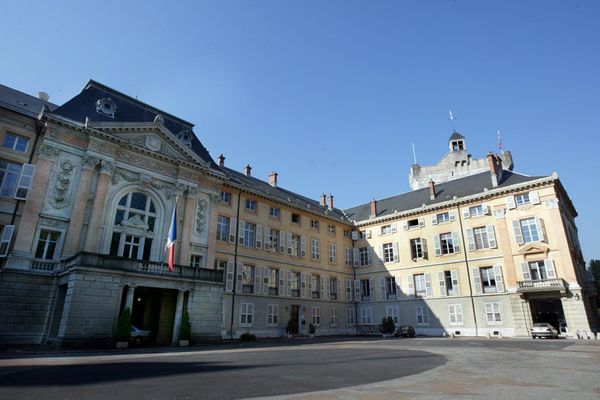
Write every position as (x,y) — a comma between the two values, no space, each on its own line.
(373,208)
(323,197)
(222,160)
(330,205)
(248,170)
(43,96)
(273,179)
(495,168)
(431,189)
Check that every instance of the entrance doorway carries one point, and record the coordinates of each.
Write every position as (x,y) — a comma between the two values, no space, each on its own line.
(154,310)
(549,311)
(294,315)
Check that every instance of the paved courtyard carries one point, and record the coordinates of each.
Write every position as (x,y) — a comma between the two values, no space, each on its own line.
(432,368)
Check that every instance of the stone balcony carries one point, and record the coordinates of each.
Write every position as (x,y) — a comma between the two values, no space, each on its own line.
(104,261)
(542,285)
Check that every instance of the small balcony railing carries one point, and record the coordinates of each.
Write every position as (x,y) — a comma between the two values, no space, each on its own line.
(541,285)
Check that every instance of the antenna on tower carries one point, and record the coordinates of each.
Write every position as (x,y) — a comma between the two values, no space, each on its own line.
(414,153)
(451,118)
(499,141)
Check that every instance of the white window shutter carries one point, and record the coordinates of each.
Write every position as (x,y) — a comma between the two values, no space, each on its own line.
(455,285)
(348,289)
(550,269)
(499,278)
(339,289)
(241,236)
(410,286)
(534,197)
(25,181)
(357,290)
(477,280)
(232,230)
(282,281)
(325,282)
(259,232)
(471,239)
(424,246)
(382,288)
(238,283)
(405,225)
(394,228)
(541,229)
(372,290)
(510,202)
(466,213)
(378,231)
(303,283)
(518,231)
(257,280)
(287,284)
(282,236)
(229,281)
(456,242)
(452,215)
(379,254)
(369,255)
(267,238)
(356,256)
(355,235)
(442,279)
(428,287)
(289,243)
(434,220)
(265,289)
(398,280)
(437,245)
(487,209)
(492,236)
(525,271)
(396,252)
(303,246)
(421,222)
(368,234)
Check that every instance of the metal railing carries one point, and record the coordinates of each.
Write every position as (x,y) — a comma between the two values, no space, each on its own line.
(541,284)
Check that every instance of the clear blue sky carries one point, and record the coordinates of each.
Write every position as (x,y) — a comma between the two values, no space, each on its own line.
(331,94)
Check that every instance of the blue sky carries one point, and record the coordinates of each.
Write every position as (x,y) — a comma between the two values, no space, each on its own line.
(331,94)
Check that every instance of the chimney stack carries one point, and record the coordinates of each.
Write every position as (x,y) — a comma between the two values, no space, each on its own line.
(330,205)
(222,160)
(43,96)
(248,170)
(323,199)
(431,189)
(273,179)
(495,168)
(373,208)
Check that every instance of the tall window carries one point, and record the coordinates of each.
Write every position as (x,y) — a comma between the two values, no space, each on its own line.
(315,284)
(350,316)
(493,313)
(333,288)
(222,228)
(246,314)
(316,316)
(488,279)
(133,226)
(422,315)
(272,314)
(348,256)
(416,248)
(388,252)
(530,230)
(447,243)
(247,278)
(315,249)
(538,270)
(196,261)
(334,317)
(296,245)
(420,286)
(365,290)
(249,234)
(9,175)
(332,253)
(294,284)
(274,239)
(314,224)
(15,142)
(390,287)
(455,314)
(46,246)
(366,315)
(273,280)
(393,312)
(363,256)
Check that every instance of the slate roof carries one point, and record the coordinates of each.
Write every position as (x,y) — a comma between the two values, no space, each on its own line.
(128,110)
(285,196)
(456,136)
(22,103)
(463,187)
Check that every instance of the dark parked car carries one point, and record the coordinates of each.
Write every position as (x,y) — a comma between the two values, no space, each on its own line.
(405,331)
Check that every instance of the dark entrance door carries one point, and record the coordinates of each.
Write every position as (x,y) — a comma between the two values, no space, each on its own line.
(547,310)
(154,310)
(294,312)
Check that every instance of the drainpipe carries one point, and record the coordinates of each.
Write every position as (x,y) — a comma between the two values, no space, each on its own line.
(462,234)
(235,256)
(353,291)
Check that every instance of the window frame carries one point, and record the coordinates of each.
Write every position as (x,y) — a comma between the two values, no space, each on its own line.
(17,139)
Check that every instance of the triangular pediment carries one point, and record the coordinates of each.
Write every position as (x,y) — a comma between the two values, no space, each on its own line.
(534,248)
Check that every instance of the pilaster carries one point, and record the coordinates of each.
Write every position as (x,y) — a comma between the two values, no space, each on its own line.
(94,232)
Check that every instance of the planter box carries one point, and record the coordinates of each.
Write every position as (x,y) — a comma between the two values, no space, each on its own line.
(122,345)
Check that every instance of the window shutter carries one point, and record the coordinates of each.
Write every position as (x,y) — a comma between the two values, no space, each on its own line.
(437,246)
(541,229)
(428,288)
(324,287)
(229,282)
(368,234)
(456,242)
(232,230)
(378,230)
(289,243)
(25,181)
(356,256)
(265,289)
(421,222)
(241,236)
(534,197)
(267,238)
(394,228)
(466,213)
(339,289)
(369,255)
(424,247)
(302,246)
(492,236)
(259,231)
(550,269)
(487,209)
(372,290)
(357,290)
(477,280)
(287,284)
(525,271)
(396,252)
(518,231)
(434,220)
(499,279)
(510,202)
(411,286)
(238,283)
(282,280)
(382,288)
(348,289)
(442,279)
(379,254)
(303,283)
(257,280)
(471,239)
(282,237)
(354,235)
(398,286)
(405,225)
(455,286)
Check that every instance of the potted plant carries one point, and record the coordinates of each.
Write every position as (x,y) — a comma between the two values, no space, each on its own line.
(387,327)
(185,330)
(312,330)
(123,329)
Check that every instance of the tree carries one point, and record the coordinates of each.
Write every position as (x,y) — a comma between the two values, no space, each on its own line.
(123,326)
(185,332)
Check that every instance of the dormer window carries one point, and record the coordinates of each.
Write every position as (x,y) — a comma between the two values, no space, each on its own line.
(107,107)
(458,145)
(185,137)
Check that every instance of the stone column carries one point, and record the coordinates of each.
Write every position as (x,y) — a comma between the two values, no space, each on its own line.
(73,238)
(189,209)
(130,297)
(35,201)
(94,232)
(178,315)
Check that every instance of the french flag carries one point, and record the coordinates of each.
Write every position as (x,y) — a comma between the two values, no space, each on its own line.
(172,238)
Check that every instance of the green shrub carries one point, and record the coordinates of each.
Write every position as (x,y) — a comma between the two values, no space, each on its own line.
(387,325)
(248,337)
(185,332)
(312,329)
(123,326)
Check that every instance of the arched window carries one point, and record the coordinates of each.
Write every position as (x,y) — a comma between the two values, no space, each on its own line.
(133,227)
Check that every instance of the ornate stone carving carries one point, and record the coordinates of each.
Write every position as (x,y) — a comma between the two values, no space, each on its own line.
(53,223)
(552,203)
(159,119)
(128,176)
(48,152)
(59,198)
(102,147)
(90,162)
(500,213)
(145,162)
(201,208)
(106,167)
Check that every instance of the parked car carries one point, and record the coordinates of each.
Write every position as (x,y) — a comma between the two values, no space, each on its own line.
(543,329)
(138,335)
(405,331)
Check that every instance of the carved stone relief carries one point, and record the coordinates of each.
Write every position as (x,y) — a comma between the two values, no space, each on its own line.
(90,162)
(144,162)
(48,152)
(145,182)
(53,223)
(201,209)
(64,177)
